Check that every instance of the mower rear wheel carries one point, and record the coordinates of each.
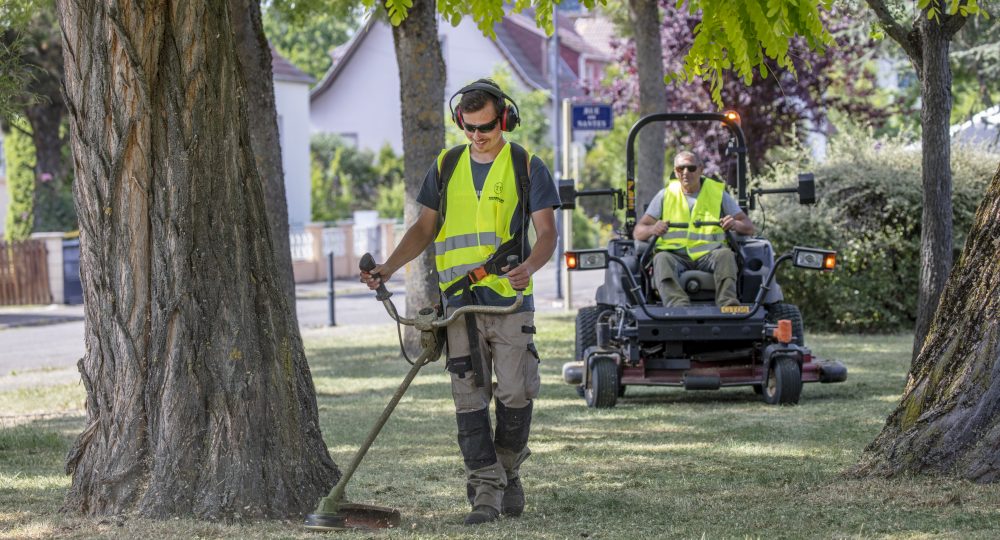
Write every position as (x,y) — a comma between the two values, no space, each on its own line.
(586,328)
(781,310)
(603,390)
(784,382)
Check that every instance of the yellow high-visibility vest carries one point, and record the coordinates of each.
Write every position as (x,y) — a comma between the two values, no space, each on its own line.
(475,226)
(697,241)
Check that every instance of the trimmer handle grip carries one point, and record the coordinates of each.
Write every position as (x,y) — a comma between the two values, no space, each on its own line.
(367,264)
(512,262)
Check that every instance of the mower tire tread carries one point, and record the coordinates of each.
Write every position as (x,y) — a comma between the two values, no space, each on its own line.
(603,391)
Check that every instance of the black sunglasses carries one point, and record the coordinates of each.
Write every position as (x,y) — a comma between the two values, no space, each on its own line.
(688,168)
(482,128)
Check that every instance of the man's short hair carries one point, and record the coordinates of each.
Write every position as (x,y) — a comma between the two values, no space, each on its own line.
(690,155)
(475,100)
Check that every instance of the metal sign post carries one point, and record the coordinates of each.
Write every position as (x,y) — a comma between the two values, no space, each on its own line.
(567,221)
(330,292)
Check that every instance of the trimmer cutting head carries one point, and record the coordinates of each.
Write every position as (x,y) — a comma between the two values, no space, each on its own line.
(354,516)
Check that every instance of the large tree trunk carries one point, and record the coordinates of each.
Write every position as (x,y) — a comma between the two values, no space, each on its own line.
(645,15)
(199,398)
(255,58)
(421,92)
(936,238)
(949,418)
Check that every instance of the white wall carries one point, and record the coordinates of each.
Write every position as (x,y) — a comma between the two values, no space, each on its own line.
(292,103)
(363,102)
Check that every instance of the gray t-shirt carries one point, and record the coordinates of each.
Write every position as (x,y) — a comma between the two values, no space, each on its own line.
(655,208)
(542,193)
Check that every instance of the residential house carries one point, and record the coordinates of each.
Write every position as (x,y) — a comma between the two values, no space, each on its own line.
(982,130)
(358,98)
(291,99)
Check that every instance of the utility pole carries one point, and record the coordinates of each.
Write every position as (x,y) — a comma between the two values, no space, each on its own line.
(556,142)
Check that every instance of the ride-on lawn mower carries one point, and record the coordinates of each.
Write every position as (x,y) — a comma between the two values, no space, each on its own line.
(630,339)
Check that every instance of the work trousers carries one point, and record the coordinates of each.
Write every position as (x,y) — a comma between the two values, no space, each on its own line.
(668,265)
(507,348)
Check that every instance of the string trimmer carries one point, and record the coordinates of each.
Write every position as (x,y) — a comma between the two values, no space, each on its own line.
(333,512)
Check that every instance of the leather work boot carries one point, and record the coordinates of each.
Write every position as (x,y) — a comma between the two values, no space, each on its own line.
(482,514)
(513,498)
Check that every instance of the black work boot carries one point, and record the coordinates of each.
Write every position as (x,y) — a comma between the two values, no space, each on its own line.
(482,514)
(513,498)
(511,441)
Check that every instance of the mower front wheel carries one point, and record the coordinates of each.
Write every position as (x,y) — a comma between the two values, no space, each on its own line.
(784,382)
(603,390)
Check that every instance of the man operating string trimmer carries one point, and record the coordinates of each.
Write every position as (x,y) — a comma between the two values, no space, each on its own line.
(477,201)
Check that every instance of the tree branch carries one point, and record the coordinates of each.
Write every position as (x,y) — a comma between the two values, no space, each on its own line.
(951,24)
(897,32)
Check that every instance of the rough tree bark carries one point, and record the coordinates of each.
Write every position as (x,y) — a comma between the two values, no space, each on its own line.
(421,92)
(199,398)
(645,15)
(926,44)
(948,421)
(255,58)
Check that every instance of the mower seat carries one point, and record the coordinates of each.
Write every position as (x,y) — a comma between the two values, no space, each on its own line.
(698,285)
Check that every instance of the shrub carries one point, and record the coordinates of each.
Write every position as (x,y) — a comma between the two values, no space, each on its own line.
(19,154)
(345,179)
(868,210)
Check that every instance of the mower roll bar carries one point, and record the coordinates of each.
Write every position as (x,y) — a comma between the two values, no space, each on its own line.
(764,288)
(732,125)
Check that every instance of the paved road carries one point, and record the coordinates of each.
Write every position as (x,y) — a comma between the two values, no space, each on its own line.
(48,345)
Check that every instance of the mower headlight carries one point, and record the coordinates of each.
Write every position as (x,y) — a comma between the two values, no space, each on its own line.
(587,259)
(814,259)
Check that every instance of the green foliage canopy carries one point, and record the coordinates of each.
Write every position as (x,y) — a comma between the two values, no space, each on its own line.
(307,43)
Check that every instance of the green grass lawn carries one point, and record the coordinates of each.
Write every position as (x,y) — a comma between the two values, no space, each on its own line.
(663,464)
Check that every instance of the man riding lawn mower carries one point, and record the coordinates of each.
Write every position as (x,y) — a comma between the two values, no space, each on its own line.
(683,317)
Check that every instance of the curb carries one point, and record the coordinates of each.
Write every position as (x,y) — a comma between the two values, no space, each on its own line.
(41,322)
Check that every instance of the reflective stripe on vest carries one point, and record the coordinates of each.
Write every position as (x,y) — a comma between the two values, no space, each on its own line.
(697,241)
(475,226)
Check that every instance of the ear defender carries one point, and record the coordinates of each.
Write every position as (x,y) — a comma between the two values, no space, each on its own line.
(508,115)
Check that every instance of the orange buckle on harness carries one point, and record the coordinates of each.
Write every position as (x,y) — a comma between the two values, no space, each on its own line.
(476,274)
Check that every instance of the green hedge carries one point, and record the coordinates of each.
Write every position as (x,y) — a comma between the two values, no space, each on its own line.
(19,155)
(869,211)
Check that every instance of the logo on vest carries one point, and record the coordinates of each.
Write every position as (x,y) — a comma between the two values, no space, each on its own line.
(497,190)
